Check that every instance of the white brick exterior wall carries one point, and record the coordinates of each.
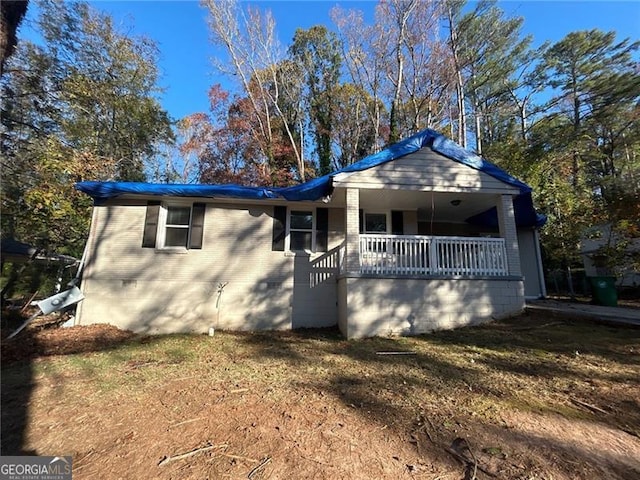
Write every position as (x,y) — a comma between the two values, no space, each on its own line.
(388,306)
(156,291)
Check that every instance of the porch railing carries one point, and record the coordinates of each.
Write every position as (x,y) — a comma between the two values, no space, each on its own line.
(422,255)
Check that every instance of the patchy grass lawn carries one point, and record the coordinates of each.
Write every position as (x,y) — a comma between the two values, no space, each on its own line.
(528,398)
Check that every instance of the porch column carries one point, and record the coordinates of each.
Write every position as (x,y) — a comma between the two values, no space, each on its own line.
(352,240)
(507,225)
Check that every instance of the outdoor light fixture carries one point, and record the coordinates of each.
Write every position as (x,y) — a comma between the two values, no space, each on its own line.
(456,202)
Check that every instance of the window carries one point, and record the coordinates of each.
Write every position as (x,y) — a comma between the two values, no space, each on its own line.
(173,226)
(300,230)
(178,221)
(375,223)
(382,222)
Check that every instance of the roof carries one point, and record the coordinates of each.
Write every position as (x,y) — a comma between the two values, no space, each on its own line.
(321,187)
(15,251)
(10,246)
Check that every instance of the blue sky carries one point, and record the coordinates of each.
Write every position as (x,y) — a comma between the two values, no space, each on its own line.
(180,29)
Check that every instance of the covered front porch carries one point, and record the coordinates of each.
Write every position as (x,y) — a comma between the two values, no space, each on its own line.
(412,264)
(420,255)
(429,233)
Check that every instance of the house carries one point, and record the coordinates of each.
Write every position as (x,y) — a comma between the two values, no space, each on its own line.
(418,237)
(606,252)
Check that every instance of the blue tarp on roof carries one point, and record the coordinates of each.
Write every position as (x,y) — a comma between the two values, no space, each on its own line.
(321,187)
(101,191)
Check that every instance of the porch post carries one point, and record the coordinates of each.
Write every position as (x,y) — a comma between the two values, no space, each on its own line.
(352,241)
(507,225)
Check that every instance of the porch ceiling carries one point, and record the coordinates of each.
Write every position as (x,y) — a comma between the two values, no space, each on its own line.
(443,210)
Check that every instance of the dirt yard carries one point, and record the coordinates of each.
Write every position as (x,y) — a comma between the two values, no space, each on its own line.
(529,398)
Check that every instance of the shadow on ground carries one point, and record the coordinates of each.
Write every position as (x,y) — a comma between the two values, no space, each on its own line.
(477,382)
(18,357)
(461,379)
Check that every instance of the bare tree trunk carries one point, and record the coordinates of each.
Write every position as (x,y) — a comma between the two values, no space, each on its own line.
(403,13)
(462,118)
(522,110)
(478,119)
(451,132)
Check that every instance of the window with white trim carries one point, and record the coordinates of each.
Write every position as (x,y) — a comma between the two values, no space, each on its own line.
(301,230)
(176,225)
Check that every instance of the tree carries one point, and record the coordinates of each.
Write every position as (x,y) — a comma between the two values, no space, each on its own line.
(317,52)
(453,10)
(570,210)
(80,105)
(527,81)
(249,39)
(219,146)
(581,154)
(487,50)
(428,77)
(11,14)
(419,69)
(363,49)
(356,137)
(399,13)
(398,62)
(589,72)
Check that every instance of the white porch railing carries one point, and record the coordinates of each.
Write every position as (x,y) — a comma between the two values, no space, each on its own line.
(421,255)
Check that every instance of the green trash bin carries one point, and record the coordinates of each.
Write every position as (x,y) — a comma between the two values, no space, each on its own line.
(603,291)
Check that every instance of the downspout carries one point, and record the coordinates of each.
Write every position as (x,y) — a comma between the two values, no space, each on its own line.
(543,287)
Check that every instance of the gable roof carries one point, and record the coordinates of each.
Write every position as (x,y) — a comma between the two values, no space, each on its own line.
(321,187)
